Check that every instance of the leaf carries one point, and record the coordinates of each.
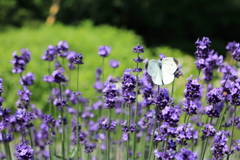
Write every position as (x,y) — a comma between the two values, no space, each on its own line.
(57,156)
(72,152)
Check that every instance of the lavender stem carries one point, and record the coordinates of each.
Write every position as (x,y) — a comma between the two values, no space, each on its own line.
(232,131)
(135,115)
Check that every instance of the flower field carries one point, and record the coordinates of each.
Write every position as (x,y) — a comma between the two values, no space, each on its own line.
(98,106)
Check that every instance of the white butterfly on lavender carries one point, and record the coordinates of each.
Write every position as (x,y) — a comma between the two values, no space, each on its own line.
(162,71)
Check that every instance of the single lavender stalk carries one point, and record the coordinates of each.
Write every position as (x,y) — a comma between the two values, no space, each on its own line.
(103,69)
(128,146)
(7,149)
(172,88)
(136,111)
(63,128)
(77,111)
(199,72)
(154,127)
(109,140)
(222,115)
(144,145)
(50,89)
(232,131)
(32,142)
(204,148)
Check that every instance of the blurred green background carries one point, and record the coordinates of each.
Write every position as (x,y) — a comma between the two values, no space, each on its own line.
(168,27)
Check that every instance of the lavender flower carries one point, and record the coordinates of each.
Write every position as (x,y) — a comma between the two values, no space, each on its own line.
(2,156)
(23,117)
(229,72)
(163,99)
(88,148)
(23,151)
(209,130)
(231,46)
(113,63)
(138,60)
(124,137)
(184,133)
(56,77)
(18,63)
(128,85)
(214,96)
(220,147)
(237,146)
(70,58)
(234,49)
(50,53)
(104,124)
(167,130)
(161,56)
(235,93)
(165,155)
(178,73)
(130,128)
(104,51)
(28,79)
(62,48)
(148,95)
(171,115)
(190,107)
(110,95)
(202,47)
(211,111)
(24,98)
(26,55)
(77,58)
(1,86)
(186,155)
(138,49)
(192,90)
(138,70)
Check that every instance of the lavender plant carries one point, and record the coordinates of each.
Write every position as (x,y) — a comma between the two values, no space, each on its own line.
(201,125)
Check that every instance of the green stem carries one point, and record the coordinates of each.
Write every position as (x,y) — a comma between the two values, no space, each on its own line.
(144,145)
(204,148)
(32,142)
(221,117)
(5,147)
(152,143)
(88,156)
(129,115)
(199,72)
(77,116)
(103,70)
(9,151)
(63,128)
(108,150)
(172,88)
(232,130)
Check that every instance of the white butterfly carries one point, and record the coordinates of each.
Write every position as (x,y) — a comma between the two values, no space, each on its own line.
(162,72)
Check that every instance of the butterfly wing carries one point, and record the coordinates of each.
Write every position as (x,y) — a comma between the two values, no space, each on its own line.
(170,64)
(158,79)
(152,67)
(154,71)
(167,76)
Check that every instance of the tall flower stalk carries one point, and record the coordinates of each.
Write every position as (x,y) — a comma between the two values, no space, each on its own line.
(77,59)
(138,49)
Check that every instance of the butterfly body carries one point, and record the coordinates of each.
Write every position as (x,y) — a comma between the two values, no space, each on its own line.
(162,72)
